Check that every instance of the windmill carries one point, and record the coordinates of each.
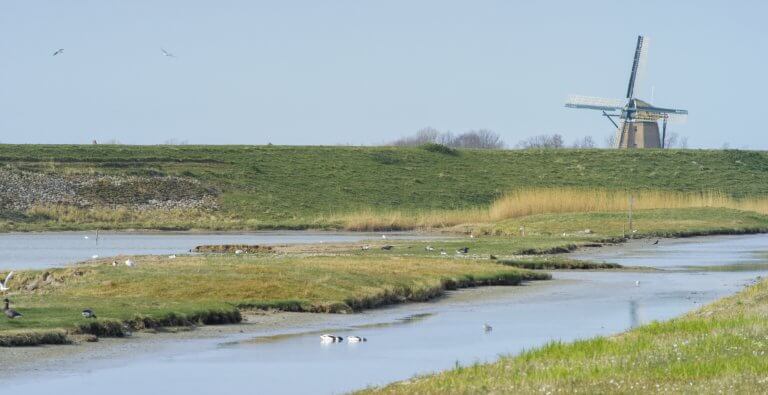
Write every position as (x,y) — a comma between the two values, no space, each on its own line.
(639,119)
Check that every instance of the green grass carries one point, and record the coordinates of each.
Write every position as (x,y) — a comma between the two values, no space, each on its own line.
(211,289)
(266,187)
(720,348)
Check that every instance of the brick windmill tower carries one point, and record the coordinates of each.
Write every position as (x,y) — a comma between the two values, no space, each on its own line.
(639,119)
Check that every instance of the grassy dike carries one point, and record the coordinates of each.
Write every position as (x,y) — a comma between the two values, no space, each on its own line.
(720,348)
(267,187)
(212,289)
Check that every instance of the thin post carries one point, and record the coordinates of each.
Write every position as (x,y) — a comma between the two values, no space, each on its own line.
(631,232)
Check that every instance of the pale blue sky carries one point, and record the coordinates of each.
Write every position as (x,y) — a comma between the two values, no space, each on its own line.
(365,72)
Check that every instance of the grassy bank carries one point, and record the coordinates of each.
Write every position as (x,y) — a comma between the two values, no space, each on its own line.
(269,187)
(720,348)
(160,291)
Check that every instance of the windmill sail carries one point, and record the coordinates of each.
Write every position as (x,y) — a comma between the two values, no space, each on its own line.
(639,50)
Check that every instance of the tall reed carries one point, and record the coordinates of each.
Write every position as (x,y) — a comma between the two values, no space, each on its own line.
(532,201)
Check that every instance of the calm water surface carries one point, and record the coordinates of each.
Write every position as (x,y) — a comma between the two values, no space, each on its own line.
(49,249)
(425,337)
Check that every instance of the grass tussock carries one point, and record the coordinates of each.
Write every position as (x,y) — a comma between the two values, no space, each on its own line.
(720,348)
(33,338)
(557,263)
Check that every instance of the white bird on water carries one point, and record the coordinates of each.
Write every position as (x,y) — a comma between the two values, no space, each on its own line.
(637,283)
(356,339)
(4,284)
(326,338)
(383,236)
(85,237)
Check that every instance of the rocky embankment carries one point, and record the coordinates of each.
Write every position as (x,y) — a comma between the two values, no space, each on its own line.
(22,190)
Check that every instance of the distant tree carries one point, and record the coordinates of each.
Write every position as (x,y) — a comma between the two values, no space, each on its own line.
(610,140)
(175,141)
(542,141)
(584,142)
(482,138)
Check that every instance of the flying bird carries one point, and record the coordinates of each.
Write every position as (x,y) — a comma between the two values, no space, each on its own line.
(166,53)
(4,284)
(58,51)
(656,242)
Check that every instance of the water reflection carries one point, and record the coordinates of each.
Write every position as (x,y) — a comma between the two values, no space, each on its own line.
(634,314)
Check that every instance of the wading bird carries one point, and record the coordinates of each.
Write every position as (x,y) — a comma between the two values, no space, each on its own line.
(58,51)
(4,284)
(9,312)
(356,339)
(88,313)
(326,338)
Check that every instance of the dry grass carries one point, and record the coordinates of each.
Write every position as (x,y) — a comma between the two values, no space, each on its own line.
(533,201)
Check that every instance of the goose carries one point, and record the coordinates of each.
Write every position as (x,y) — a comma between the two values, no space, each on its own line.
(88,313)
(463,250)
(442,252)
(326,338)
(356,339)
(114,263)
(128,263)
(4,285)
(487,327)
(366,247)
(171,256)
(387,247)
(9,312)
(238,252)
(429,248)
(58,51)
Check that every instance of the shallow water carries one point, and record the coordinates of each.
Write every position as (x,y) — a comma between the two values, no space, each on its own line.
(49,249)
(424,337)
